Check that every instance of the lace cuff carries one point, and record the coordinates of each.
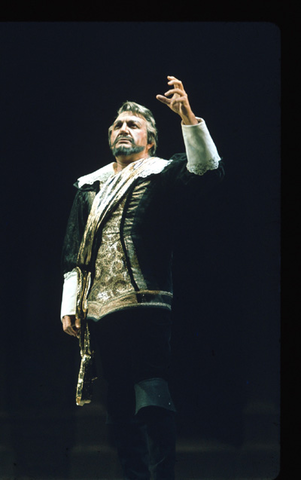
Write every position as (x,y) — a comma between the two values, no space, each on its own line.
(69,295)
(202,154)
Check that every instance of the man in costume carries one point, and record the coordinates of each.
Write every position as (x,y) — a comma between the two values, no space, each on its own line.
(117,265)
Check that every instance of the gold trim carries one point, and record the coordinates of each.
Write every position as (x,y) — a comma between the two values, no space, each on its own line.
(143,298)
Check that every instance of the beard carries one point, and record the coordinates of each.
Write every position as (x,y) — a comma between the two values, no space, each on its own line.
(126,149)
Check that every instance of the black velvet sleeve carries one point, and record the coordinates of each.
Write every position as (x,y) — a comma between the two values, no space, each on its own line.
(75,228)
(178,175)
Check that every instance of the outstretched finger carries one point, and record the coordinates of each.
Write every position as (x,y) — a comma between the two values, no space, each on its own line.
(163,99)
(171,78)
(174,81)
(174,91)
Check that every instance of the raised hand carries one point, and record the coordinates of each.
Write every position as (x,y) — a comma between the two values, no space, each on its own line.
(178,102)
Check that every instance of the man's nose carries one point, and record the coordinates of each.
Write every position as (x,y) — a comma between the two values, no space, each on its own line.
(124,127)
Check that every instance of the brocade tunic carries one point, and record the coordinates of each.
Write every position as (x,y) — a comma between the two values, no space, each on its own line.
(112,283)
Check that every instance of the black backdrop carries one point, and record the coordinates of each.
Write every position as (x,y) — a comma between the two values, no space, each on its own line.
(61,84)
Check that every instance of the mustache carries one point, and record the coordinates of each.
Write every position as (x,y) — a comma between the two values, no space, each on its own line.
(123,137)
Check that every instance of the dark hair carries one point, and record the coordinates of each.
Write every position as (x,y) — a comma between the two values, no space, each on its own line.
(152,133)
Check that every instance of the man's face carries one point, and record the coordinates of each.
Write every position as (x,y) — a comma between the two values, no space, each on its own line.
(129,135)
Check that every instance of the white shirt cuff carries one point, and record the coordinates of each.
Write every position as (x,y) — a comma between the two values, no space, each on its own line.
(202,154)
(69,296)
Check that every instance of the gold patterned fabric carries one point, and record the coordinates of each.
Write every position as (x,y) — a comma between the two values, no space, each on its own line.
(112,280)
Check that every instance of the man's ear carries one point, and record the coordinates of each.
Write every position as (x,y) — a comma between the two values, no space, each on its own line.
(150,145)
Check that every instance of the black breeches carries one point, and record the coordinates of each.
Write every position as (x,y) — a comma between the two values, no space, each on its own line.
(134,347)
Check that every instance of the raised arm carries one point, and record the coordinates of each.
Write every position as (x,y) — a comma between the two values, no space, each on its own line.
(201,152)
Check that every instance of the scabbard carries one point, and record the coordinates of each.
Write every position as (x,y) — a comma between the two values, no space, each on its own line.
(87,370)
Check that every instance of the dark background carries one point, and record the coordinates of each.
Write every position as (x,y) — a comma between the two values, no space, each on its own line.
(61,85)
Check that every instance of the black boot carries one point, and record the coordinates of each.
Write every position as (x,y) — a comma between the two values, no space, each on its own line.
(130,440)
(161,432)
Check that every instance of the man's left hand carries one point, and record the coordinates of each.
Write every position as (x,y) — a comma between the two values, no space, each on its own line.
(179,102)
